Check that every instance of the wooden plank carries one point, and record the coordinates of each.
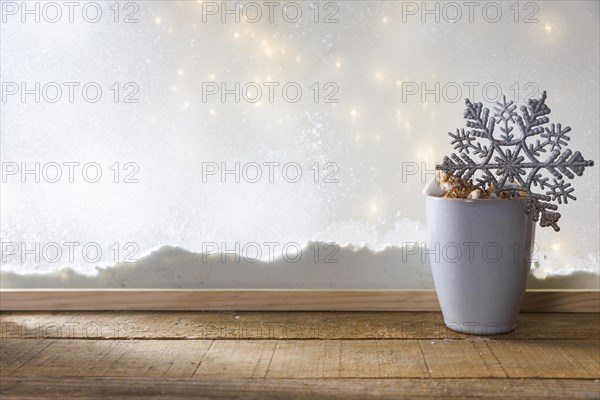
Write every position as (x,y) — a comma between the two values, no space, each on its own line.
(16,354)
(246,359)
(218,299)
(548,359)
(61,358)
(273,299)
(460,358)
(249,325)
(347,359)
(149,358)
(156,358)
(265,389)
(304,359)
(561,301)
(381,358)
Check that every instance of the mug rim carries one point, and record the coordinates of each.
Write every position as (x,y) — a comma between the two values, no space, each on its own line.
(440,198)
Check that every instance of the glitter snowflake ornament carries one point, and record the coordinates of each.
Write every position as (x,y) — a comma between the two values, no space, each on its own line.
(510,160)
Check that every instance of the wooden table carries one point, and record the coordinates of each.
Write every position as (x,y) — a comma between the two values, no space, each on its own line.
(297,355)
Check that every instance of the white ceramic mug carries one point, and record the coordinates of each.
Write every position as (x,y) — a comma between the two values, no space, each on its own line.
(479,252)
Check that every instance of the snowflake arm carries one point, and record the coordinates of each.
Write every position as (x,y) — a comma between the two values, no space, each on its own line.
(479,119)
(465,142)
(561,191)
(556,136)
(532,116)
(505,114)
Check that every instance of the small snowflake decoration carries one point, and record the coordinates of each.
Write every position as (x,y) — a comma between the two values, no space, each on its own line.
(534,155)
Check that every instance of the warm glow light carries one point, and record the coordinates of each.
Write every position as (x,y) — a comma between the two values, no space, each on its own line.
(375,206)
(548,28)
(157,20)
(180,72)
(556,246)
(267,48)
(212,111)
(353,113)
(425,154)
(338,64)
(379,75)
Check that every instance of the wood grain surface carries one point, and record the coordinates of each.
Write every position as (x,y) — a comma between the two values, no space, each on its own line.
(298,355)
(273,300)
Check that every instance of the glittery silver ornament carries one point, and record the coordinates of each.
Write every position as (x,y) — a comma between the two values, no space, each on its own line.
(535,155)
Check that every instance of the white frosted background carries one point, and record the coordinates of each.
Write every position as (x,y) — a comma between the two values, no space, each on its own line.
(369,133)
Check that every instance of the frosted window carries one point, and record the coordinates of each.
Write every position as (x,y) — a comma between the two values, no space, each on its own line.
(355,102)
